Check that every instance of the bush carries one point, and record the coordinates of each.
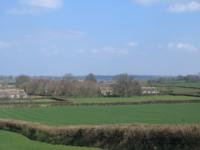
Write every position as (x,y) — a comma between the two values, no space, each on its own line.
(132,137)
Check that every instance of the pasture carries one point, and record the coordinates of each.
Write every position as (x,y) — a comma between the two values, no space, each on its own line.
(184,84)
(14,141)
(180,87)
(133,99)
(98,115)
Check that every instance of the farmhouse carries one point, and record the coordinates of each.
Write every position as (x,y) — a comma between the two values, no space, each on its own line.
(106,90)
(150,91)
(12,93)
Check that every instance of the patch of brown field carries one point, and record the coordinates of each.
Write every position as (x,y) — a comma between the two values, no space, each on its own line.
(112,137)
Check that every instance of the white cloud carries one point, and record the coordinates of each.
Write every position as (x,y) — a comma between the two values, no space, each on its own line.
(53,51)
(182,46)
(95,51)
(106,51)
(62,34)
(109,50)
(32,7)
(185,7)
(5,44)
(81,51)
(113,50)
(132,44)
(48,35)
(146,2)
(49,4)
(174,6)
(126,49)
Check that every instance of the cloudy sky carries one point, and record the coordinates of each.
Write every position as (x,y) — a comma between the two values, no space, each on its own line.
(54,37)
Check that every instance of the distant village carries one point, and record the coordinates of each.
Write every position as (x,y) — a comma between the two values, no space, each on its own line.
(107,89)
(11,91)
(122,85)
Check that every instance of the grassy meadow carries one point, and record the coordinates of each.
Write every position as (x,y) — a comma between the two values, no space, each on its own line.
(181,87)
(97,115)
(75,115)
(133,99)
(184,84)
(14,141)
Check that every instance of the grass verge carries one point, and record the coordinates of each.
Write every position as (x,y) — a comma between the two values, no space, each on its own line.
(14,141)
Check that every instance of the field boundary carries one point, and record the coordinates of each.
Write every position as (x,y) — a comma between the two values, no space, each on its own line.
(33,104)
(112,137)
(140,102)
(71,103)
(188,87)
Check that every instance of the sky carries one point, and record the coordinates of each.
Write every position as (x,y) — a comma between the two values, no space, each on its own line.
(105,37)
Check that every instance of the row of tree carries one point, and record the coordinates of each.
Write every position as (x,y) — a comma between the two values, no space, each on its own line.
(68,86)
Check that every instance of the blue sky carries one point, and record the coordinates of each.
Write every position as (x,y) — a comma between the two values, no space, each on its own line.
(143,37)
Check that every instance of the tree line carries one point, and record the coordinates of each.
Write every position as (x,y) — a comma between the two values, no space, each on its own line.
(68,86)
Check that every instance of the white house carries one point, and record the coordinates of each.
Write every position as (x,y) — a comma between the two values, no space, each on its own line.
(150,91)
(12,93)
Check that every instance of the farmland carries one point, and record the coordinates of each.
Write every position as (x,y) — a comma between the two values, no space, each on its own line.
(77,114)
(183,84)
(133,99)
(100,75)
(13,141)
(93,121)
(181,87)
(97,115)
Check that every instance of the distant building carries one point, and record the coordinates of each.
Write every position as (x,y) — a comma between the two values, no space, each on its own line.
(150,91)
(12,93)
(106,90)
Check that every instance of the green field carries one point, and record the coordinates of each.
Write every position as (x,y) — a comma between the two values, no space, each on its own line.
(133,99)
(185,90)
(97,115)
(181,87)
(14,141)
(180,83)
(192,84)
(186,84)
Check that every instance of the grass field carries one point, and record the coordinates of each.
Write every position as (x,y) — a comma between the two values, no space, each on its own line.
(133,99)
(181,87)
(185,84)
(180,83)
(14,141)
(96,115)
(185,90)
(192,84)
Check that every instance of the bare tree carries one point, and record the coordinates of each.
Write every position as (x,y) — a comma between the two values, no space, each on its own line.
(21,80)
(67,86)
(126,86)
(91,77)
